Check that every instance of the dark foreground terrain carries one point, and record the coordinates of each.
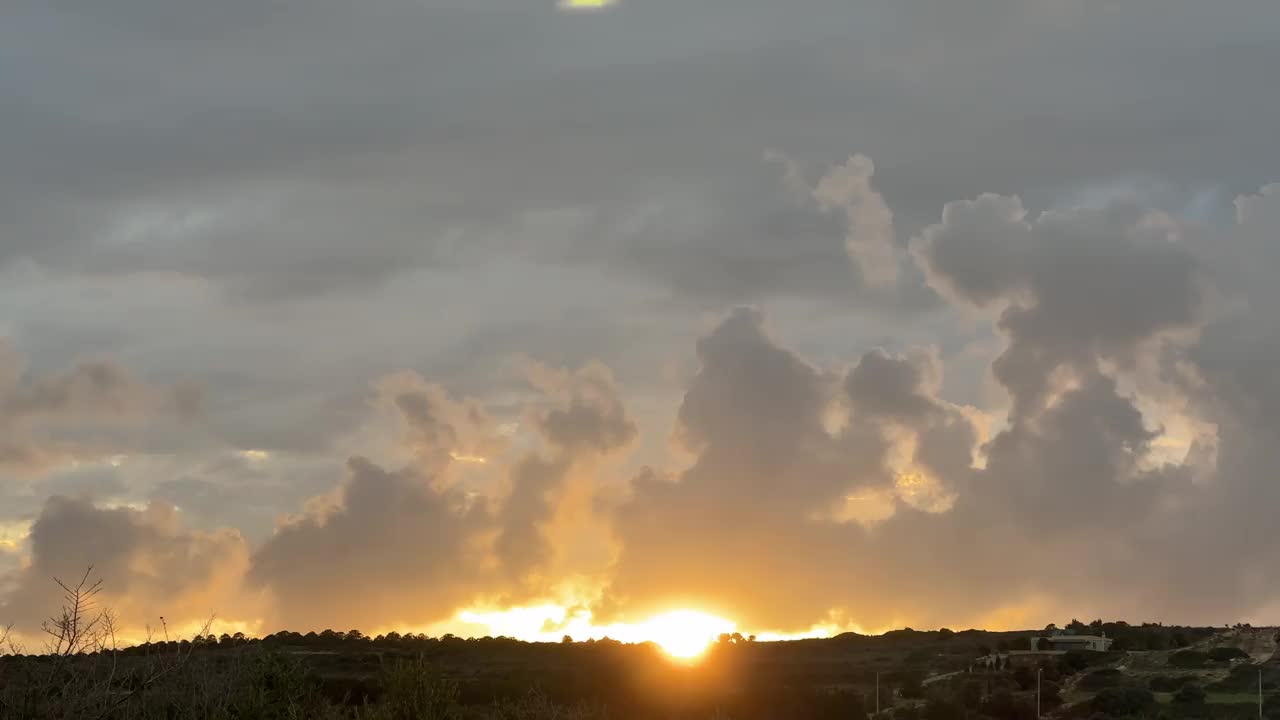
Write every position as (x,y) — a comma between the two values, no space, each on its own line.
(1152,672)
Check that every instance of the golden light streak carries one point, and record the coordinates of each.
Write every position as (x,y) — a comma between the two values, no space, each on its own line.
(683,634)
(585,5)
(468,459)
(12,535)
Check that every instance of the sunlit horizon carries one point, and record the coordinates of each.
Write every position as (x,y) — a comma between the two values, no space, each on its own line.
(682,633)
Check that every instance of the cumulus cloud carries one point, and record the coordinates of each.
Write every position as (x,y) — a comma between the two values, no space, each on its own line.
(753,528)
(386,550)
(151,565)
(848,492)
(902,493)
(1074,288)
(869,242)
(409,547)
(583,423)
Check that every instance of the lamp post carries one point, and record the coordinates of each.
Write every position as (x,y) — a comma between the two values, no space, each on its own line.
(1039,672)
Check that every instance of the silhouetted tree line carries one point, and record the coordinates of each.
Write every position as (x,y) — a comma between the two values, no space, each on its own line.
(925,675)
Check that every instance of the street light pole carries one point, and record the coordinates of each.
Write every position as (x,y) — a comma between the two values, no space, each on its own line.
(1039,671)
(877,694)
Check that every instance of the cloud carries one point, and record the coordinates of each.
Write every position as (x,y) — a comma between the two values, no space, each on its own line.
(1074,288)
(441,185)
(150,564)
(753,528)
(386,550)
(896,495)
(94,410)
(428,540)
(870,242)
(582,421)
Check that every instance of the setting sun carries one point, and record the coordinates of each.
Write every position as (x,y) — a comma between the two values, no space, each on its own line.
(684,634)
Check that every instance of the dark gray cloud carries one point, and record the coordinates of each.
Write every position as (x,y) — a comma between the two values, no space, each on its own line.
(388,550)
(1074,288)
(284,202)
(312,148)
(93,410)
(150,564)
(762,526)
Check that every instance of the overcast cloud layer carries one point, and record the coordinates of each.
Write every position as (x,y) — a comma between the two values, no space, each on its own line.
(865,313)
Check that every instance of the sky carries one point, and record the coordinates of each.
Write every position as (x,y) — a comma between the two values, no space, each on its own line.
(522,317)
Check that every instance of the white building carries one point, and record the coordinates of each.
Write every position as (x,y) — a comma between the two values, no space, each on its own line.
(1065,643)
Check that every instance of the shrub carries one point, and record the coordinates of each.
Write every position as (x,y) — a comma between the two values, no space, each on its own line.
(1075,661)
(412,691)
(1165,683)
(1190,695)
(1227,654)
(1101,679)
(1122,702)
(1189,659)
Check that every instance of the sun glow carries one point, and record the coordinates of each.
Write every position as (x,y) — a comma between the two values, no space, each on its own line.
(683,634)
(585,5)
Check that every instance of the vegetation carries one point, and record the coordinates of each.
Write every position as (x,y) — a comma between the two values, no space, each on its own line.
(969,675)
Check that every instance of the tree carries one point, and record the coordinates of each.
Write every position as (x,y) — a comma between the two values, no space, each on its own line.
(7,644)
(80,625)
(566,640)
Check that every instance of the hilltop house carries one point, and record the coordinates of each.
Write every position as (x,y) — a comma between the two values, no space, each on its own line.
(1064,643)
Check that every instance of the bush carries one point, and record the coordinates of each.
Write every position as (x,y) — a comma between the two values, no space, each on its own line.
(411,691)
(1189,659)
(1227,654)
(1190,695)
(1244,678)
(1122,702)
(1074,661)
(1165,683)
(1101,679)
